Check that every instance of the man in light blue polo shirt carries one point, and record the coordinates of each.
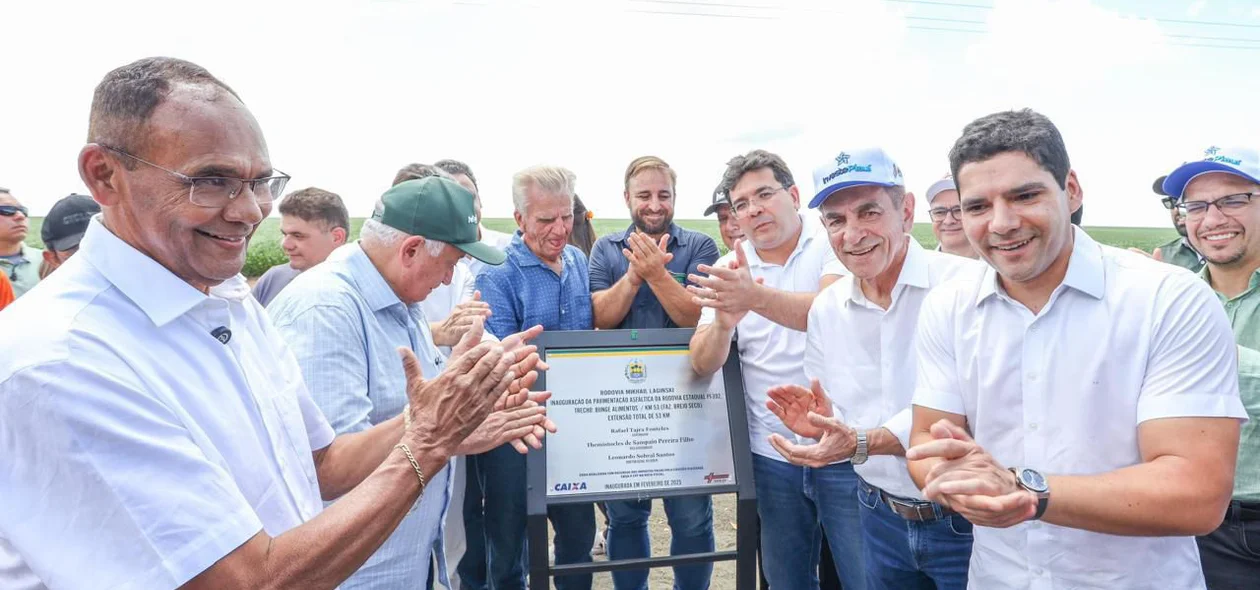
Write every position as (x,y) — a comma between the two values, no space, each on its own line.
(344,318)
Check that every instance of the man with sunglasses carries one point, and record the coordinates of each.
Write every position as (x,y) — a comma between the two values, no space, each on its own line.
(155,427)
(18,261)
(1178,251)
(1216,196)
(942,198)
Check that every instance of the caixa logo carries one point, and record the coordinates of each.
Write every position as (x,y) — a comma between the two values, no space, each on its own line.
(716,477)
(576,486)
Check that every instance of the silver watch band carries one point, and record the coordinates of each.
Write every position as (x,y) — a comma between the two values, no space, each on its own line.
(860,453)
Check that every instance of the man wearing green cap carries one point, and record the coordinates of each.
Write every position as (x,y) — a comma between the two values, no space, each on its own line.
(343,319)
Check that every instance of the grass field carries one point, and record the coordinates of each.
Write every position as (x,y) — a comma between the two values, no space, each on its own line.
(265,252)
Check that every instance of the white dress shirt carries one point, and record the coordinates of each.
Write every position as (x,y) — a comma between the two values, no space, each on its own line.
(497,239)
(772,354)
(864,355)
(138,450)
(1124,339)
(441,301)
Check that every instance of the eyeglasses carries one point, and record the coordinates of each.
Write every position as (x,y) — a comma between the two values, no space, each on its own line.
(940,213)
(1168,203)
(11,210)
(1228,204)
(740,207)
(218,191)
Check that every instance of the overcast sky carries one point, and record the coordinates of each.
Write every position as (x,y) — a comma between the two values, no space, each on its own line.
(347,92)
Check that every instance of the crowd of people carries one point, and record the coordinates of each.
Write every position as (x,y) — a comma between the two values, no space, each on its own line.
(1021,407)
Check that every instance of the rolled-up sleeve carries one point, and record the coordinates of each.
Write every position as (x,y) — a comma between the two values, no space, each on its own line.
(105,487)
(937,384)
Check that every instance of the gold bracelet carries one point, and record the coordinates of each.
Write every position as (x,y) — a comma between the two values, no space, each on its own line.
(414,464)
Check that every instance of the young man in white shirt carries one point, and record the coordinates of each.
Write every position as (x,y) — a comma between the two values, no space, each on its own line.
(1079,404)
(763,290)
(860,335)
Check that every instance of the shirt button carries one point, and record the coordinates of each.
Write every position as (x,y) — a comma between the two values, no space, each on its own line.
(1038,571)
(1032,426)
(1032,376)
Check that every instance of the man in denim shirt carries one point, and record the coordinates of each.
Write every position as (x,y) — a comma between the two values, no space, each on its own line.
(637,281)
(543,282)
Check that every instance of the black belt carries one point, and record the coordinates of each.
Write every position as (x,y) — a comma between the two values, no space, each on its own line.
(915,510)
(1244,511)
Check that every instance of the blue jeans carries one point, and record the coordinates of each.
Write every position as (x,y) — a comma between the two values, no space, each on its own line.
(691,527)
(797,506)
(904,554)
(502,478)
(1231,553)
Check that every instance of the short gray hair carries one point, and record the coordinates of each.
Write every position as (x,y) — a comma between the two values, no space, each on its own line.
(550,179)
(376,235)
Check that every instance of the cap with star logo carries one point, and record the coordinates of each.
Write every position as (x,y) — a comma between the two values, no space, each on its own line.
(866,166)
(1239,161)
(438,209)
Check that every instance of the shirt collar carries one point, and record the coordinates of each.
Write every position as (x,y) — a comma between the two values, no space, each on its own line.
(914,272)
(523,256)
(372,285)
(1084,273)
(675,235)
(1252,285)
(150,286)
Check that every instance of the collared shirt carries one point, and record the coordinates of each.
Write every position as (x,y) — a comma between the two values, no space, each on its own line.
(525,292)
(1179,252)
(1243,312)
(772,354)
(1122,340)
(862,354)
(273,281)
(608,265)
(344,323)
(25,273)
(138,450)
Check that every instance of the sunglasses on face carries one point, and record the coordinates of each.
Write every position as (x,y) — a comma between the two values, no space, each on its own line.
(11,210)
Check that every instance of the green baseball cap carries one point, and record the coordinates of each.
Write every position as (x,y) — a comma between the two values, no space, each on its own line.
(438,209)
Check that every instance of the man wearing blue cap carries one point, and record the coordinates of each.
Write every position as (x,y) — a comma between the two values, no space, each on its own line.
(1217,198)
(763,289)
(859,354)
(340,317)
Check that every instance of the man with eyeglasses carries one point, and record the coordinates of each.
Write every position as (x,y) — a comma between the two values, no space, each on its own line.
(942,198)
(18,261)
(763,290)
(155,427)
(1217,198)
(1178,251)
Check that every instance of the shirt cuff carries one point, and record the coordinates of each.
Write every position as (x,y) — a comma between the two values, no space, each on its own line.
(1191,405)
(899,426)
(939,400)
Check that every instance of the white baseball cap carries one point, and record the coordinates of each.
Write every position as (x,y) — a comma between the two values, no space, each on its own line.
(867,166)
(1244,162)
(940,186)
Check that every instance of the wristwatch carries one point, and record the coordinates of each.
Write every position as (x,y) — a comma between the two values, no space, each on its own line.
(859,453)
(1033,481)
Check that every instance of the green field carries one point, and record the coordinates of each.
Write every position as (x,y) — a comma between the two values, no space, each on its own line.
(264,251)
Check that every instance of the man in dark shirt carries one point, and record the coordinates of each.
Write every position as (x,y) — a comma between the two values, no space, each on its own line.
(638,280)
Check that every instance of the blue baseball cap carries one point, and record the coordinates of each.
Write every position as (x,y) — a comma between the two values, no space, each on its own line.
(867,166)
(1244,162)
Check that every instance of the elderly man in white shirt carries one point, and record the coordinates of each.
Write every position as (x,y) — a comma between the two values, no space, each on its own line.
(859,353)
(155,429)
(763,289)
(1079,404)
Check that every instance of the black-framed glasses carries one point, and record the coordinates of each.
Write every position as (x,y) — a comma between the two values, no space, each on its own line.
(740,208)
(11,210)
(940,213)
(1169,203)
(1228,204)
(218,191)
